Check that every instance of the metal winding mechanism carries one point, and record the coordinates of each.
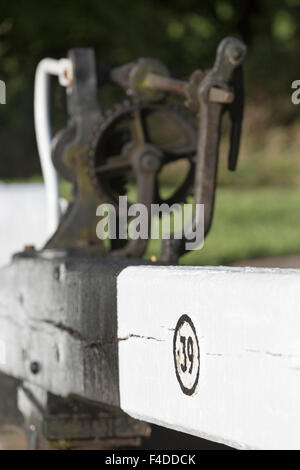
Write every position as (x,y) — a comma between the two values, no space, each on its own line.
(70,147)
(102,155)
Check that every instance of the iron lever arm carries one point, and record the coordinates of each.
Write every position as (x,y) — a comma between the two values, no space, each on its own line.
(150,80)
(230,54)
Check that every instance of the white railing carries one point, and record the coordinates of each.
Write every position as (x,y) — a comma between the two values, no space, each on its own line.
(23,218)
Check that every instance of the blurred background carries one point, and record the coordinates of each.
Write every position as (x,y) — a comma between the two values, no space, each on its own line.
(257,209)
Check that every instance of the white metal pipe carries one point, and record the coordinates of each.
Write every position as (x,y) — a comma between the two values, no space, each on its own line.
(45,68)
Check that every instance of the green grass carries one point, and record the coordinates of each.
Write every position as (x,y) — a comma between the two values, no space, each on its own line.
(247,224)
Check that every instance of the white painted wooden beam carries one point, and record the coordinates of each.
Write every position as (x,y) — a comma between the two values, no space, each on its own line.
(213,352)
(247,325)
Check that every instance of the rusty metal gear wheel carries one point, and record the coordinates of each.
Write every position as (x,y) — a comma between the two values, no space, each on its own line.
(129,126)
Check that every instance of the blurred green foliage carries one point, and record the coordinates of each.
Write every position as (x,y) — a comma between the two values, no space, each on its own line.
(182,33)
(247,224)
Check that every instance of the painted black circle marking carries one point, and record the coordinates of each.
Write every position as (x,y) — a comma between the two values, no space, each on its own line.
(35,367)
(186,354)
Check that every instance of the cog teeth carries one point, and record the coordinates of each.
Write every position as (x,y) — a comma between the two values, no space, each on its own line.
(110,116)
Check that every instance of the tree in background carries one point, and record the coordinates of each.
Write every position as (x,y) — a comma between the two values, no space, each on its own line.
(182,33)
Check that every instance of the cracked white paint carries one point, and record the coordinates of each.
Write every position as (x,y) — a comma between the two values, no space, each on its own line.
(248,327)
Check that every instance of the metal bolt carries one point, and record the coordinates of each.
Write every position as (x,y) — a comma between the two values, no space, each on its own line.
(151,162)
(29,248)
(235,54)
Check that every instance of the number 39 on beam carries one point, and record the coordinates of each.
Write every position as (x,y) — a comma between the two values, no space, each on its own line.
(213,352)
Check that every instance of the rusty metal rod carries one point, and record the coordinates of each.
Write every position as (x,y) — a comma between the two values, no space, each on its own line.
(183,88)
(162,83)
